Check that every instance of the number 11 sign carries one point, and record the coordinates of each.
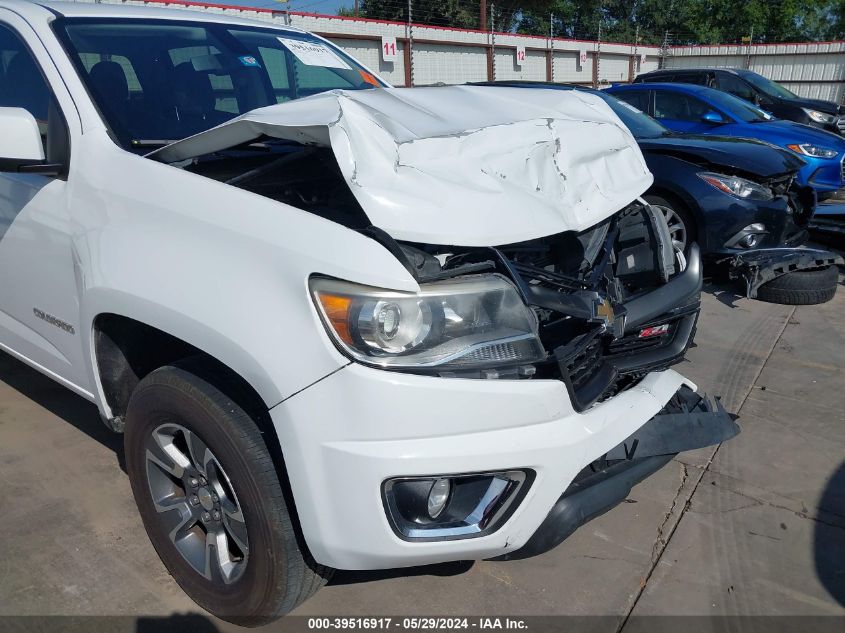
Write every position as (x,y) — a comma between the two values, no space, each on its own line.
(388,48)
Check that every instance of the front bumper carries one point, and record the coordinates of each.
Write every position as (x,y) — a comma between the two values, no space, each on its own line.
(687,423)
(757,267)
(347,434)
(726,216)
(823,174)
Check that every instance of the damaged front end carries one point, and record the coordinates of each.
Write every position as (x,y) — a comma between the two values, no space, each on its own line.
(533,259)
(611,303)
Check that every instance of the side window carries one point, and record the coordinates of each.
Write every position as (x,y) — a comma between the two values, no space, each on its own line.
(727,82)
(21,83)
(691,78)
(679,107)
(637,99)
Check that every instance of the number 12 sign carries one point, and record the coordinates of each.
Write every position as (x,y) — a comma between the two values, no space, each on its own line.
(520,56)
(388,48)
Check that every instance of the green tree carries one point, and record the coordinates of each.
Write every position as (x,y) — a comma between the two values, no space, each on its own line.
(687,21)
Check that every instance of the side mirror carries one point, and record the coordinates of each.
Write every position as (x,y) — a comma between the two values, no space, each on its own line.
(19,136)
(21,148)
(713,118)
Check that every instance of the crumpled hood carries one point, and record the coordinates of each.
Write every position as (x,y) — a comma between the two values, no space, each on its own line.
(461,165)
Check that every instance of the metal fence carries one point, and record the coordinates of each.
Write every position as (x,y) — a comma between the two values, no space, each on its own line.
(429,50)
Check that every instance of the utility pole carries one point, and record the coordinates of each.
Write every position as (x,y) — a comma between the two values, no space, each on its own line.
(597,61)
(482,15)
(493,36)
(552,47)
(356,8)
(411,41)
(664,49)
(748,50)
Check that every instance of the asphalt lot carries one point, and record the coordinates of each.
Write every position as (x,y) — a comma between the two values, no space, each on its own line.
(754,527)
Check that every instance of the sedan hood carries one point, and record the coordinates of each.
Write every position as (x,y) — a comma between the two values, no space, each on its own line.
(784,133)
(745,155)
(462,165)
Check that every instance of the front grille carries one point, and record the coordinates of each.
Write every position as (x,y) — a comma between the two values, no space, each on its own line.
(584,364)
(633,344)
(840,124)
(583,369)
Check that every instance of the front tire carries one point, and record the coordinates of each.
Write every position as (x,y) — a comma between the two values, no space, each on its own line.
(211,501)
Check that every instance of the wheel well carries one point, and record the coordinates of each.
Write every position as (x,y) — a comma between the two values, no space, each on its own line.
(126,350)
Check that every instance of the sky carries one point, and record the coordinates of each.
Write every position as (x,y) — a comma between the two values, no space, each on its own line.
(312,6)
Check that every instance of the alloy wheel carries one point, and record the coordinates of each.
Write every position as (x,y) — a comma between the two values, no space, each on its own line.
(677,228)
(196,504)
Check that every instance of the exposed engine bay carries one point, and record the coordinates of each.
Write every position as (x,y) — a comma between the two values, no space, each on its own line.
(612,303)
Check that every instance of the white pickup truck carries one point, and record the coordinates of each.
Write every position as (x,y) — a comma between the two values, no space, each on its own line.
(341,325)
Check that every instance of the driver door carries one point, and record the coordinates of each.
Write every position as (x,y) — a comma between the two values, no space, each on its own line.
(681,112)
(39,277)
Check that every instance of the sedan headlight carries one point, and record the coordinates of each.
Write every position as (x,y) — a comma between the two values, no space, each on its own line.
(808,149)
(736,186)
(462,323)
(819,117)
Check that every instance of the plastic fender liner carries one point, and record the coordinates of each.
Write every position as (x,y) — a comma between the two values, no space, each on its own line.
(687,422)
(665,247)
(761,266)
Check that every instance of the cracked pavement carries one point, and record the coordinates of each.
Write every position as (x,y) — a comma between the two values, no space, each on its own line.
(755,526)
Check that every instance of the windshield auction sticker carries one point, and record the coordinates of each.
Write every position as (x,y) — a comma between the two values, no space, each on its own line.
(314,53)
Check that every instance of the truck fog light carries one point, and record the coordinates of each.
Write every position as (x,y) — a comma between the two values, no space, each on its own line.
(446,507)
(438,496)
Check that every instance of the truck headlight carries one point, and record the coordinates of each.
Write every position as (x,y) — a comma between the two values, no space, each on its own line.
(808,149)
(736,186)
(461,323)
(819,117)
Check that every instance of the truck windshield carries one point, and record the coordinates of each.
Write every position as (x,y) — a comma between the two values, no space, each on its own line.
(157,81)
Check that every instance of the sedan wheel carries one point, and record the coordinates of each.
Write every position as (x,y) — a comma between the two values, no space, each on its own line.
(677,227)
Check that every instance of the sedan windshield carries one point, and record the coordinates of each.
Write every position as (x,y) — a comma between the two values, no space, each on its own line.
(156,81)
(737,108)
(768,86)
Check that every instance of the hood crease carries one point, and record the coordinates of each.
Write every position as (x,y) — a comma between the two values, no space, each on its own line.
(460,165)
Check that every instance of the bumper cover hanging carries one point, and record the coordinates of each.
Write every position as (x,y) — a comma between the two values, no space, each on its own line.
(686,423)
(758,267)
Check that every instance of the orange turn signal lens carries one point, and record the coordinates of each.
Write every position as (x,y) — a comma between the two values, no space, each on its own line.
(336,309)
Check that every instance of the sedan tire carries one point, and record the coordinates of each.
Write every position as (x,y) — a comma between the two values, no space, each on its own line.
(211,501)
(802,287)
